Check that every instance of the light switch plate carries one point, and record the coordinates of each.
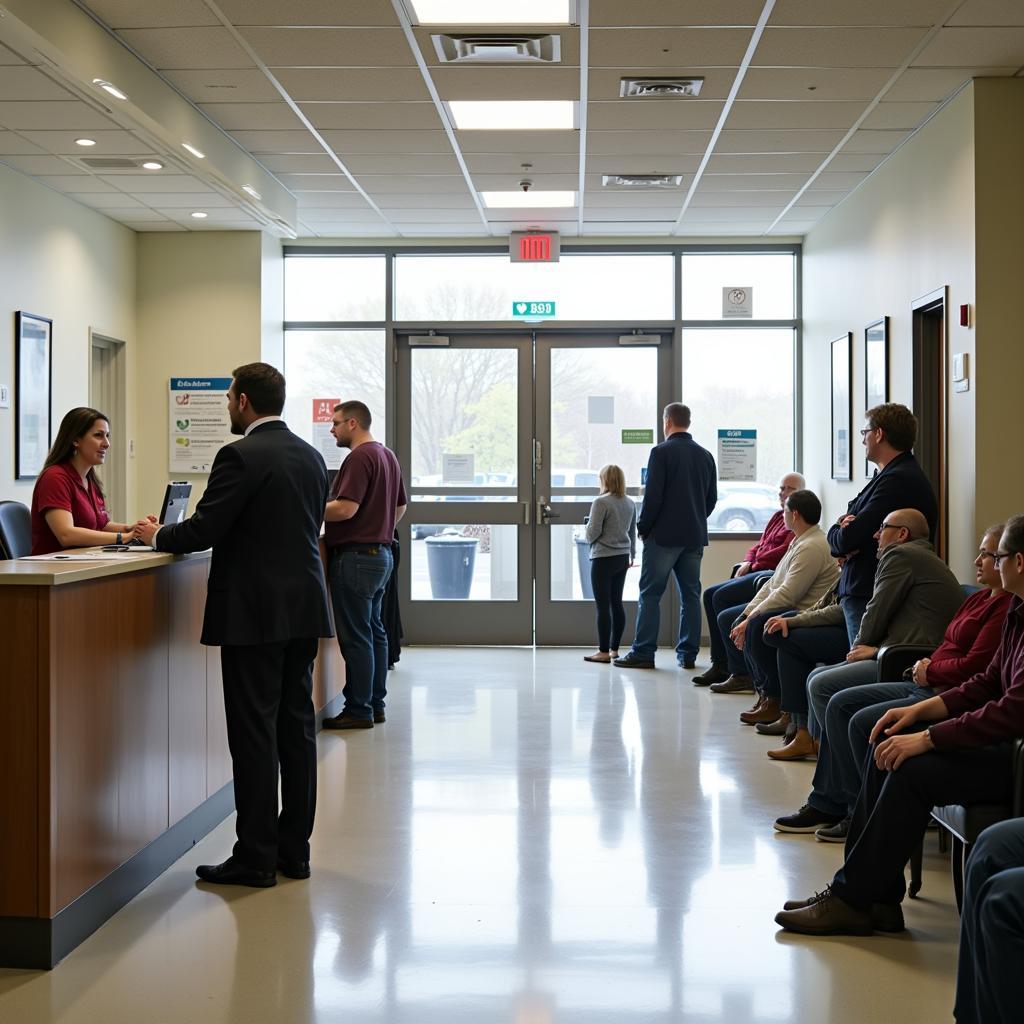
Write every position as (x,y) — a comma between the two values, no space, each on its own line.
(5,396)
(960,366)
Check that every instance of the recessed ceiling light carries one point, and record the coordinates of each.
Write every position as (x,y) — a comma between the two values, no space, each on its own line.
(251,191)
(85,142)
(198,154)
(199,215)
(530,200)
(496,12)
(109,87)
(152,165)
(513,115)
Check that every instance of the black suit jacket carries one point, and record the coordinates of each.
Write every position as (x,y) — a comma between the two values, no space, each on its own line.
(680,494)
(261,514)
(902,484)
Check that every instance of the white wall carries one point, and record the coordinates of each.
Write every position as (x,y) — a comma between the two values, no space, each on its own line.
(61,260)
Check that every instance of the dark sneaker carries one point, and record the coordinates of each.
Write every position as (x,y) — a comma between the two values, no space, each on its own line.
(632,660)
(687,663)
(808,819)
(378,716)
(826,914)
(734,684)
(715,674)
(346,721)
(836,833)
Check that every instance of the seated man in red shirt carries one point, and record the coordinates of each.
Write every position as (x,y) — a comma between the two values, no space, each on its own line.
(964,758)
(732,596)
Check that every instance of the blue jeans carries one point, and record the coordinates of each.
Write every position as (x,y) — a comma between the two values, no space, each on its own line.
(853,612)
(823,683)
(358,580)
(719,596)
(734,659)
(761,663)
(659,563)
(798,654)
(989,981)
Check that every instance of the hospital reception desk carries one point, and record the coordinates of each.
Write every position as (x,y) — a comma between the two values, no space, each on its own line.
(113,750)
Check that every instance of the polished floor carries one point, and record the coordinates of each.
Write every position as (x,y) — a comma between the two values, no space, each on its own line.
(529,839)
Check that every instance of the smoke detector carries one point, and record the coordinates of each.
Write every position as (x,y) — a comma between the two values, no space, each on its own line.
(641,181)
(498,49)
(663,88)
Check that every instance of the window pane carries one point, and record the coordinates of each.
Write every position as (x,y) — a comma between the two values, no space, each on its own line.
(334,288)
(336,366)
(742,379)
(475,562)
(570,566)
(770,275)
(583,287)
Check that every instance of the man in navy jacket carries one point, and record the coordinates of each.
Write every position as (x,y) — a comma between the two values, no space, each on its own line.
(680,494)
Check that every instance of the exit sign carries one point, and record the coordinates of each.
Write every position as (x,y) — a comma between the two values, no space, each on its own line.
(534,247)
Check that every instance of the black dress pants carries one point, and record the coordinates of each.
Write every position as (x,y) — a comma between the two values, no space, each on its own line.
(268,701)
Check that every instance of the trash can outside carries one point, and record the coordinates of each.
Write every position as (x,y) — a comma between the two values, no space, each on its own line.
(450,562)
(583,561)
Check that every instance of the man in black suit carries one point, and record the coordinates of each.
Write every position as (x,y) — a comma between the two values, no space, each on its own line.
(899,483)
(266,606)
(680,494)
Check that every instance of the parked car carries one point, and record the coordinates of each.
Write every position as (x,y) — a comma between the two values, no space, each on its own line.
(743,508)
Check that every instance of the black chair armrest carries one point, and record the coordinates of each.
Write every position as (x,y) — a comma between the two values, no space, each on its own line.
(735,568)
(895,659)
(760,582)
(1018,778)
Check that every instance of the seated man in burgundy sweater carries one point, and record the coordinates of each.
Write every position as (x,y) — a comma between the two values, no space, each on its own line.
(734,595)
(964,758)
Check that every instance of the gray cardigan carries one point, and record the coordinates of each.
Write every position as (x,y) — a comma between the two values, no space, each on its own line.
(611,528)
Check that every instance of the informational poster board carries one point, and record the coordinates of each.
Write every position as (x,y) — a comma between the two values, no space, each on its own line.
(323,439)
(737,303)
(199,422)
(737,455)
(600,409)
(458,469)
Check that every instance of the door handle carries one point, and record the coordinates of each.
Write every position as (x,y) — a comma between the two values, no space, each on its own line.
(544,514)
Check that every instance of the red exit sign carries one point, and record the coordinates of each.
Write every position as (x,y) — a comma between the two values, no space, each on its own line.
(534,247)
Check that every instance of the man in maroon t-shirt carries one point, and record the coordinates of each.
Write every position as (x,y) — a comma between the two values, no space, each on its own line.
(364,504)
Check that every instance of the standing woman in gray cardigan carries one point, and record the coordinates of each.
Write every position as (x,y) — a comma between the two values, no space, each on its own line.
(611,533)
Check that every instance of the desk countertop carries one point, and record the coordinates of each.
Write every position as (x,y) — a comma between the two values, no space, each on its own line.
(52,572)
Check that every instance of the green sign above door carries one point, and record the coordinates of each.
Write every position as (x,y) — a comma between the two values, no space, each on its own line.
(532,310)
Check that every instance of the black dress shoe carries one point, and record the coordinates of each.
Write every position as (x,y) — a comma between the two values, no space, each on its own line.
(378,717)
(715,674)
(232,873)
(294,868)
(687,663)
(632,660)
(347,721)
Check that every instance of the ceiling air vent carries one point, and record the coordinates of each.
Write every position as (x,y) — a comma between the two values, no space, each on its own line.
(640,181)
(110,163)
(665,88)
(498,49)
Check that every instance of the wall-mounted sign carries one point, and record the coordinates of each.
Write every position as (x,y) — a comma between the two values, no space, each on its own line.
(527,310)
(737,303)
(600,409)
(457,469)
(323,440)
(534,247)
(737,455)
(199,422)
(634,436)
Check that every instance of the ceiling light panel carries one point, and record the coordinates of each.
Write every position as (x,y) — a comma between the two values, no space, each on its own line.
(495,12)
(513,115)
(528,200)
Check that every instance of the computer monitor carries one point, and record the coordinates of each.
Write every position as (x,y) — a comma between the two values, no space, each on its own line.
(175,506)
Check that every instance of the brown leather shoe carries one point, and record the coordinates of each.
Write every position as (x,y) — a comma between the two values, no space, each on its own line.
(734,684)
(756,706)
(826,914)
(800,746)
(769,711)
(777,728)
(885,917)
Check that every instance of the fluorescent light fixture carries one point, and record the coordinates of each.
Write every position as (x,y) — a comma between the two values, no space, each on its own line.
(527,200)
(85,142)
(251,191)
(199,215)
(495,12)
(152,165)
(198,154)
(109,87)
(513,115)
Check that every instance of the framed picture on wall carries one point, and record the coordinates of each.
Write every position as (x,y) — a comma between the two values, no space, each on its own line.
(842,407)
(33,337)
(876,371)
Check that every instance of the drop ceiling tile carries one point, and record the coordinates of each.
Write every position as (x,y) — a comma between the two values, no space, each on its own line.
(731,214)
(108,143)
(76,183)
(372,116)
(855,161)
(298,140)
(52,114)
(317,182)
(772,200)
(388,85)
(538,218)
(753,182)
(28,83)
(616,198)
(864,12)
(367,215)
(182,48)
(107,200)
(218,215)
(334,200)
(251,116)
(874,141)
(974,48)
(831,180)
(142,183)
(541,182)
(308,12)
(667,47)
(817,84)
(392,163)
(426,184)
(642,163)
(655,115)
(631,144)
(795,141)
(921,85)
(330,47)
(821,198)
(445,201)
(764,163)
(613,214)
(432,216)
(151,13)
(8,57)
(45,164)
(792,227)
(615,13)
(142,226)
(439,231)
(133,213)
(299,164)
(472,82)
(179,200)
(12,143)
(526,143)
(989,12)
(603,83)
(225,85)
(345,143)
(836,47)
(764,115)
(899,115)
(656,228)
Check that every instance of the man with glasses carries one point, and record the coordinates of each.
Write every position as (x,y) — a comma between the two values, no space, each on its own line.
(955,748)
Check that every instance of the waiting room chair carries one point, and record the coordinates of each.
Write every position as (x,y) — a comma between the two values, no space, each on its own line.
(15,530)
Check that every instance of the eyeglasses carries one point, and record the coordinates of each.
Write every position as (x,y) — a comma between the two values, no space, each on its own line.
(868,430)
(985,553)
(889,526)
(1000,555)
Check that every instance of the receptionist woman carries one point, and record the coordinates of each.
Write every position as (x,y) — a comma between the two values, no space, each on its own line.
(68,510)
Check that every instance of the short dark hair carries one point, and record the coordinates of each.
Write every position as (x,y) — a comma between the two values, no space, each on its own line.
(357,411)
(677,414)
(897,422)
(807,504)
(1013,535)
(263,385)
